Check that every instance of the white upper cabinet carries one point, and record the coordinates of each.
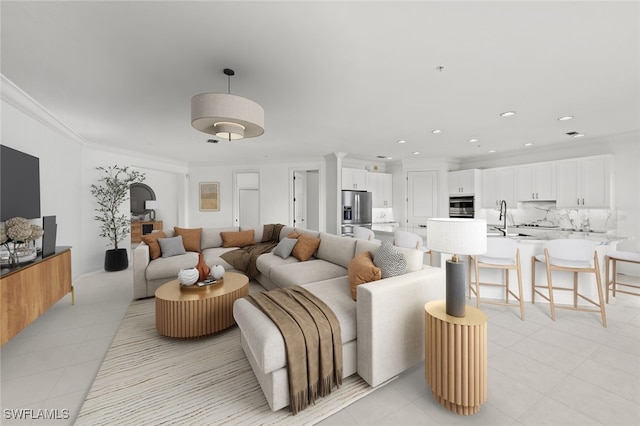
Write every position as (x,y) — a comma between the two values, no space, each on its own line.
(498,184)
(354,179)
(381,186)
(536,182)
(584,182)
(464,182)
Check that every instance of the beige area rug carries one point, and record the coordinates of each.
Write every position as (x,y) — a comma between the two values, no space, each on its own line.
(146,378)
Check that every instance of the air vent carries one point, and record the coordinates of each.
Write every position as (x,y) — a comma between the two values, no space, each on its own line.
(212,141)
(381,156)
(575,134)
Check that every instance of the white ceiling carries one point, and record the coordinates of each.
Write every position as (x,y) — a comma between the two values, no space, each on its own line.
(349,77)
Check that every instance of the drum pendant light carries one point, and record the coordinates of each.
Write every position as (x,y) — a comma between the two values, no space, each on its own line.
(225,115)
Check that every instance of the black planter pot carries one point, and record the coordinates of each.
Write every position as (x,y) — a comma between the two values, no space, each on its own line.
(116,260)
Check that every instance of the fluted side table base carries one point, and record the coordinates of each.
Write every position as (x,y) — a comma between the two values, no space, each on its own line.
(456,357)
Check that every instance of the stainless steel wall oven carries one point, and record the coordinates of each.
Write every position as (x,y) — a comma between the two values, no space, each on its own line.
(462,207)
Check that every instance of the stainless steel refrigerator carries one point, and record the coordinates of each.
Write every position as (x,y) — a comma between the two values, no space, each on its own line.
(356,211)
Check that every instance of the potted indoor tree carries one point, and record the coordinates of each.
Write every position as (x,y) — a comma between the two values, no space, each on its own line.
(111,191)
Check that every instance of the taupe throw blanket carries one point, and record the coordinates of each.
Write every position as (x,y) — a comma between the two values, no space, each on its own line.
(313,342)
(244,259)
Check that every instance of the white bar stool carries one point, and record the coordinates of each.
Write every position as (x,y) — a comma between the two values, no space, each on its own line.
(411,240)
(572,255)
(611,260)
(362,233)
(502,253)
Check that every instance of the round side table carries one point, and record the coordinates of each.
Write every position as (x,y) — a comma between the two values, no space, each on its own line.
(198,311)
(456,357)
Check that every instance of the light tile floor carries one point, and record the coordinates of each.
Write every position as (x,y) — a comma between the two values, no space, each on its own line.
(568,371)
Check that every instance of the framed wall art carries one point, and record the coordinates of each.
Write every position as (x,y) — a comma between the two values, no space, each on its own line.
(209,196)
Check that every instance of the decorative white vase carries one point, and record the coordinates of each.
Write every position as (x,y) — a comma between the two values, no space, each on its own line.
(188,276)
(217,272)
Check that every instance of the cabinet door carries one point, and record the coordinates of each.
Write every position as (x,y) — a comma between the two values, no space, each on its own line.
(386,184)
(593,182)
(506,188)
(360,179)
(347,179)
(544,183)
(467,181)
(567,184)
(375,186)
(489,189)
(453,183)
(525,177)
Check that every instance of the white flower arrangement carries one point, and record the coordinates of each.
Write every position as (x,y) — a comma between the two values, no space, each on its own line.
(16,234)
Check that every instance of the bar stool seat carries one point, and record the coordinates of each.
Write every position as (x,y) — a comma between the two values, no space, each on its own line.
(410,240)
(362,233)
(571,255)
(502,253)
(611,261)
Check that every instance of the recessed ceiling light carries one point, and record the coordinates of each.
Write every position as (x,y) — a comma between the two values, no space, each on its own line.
(508,114)
(402,141)
(528,144)
(473,140)
(436,131)
(416,152)
(389,158)
(565,118)
(492,151)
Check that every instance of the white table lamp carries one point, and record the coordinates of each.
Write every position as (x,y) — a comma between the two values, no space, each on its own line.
(151,205)
(456,237)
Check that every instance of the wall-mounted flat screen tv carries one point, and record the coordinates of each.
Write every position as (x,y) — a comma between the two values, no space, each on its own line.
(19,184)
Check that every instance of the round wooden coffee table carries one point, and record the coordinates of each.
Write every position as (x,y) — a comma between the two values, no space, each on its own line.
(198,311)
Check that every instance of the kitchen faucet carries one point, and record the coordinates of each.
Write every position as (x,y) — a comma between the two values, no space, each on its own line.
(503,216)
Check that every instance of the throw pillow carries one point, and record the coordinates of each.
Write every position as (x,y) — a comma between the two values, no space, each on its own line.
(389,260)
(293,234)
(238,239)
(152,241)
(285,247)
(171,246)
(305,247)
(361,270)
(190,238)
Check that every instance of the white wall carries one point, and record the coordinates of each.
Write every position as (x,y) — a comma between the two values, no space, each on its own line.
(274,192)
(67,170)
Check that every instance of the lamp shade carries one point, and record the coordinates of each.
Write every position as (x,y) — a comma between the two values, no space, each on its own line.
(227,116)
(457,236)
(150,204)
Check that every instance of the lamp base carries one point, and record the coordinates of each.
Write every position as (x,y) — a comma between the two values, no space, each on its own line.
(456,282)
(152,215)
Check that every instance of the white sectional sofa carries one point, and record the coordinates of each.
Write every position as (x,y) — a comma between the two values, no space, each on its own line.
(382,332)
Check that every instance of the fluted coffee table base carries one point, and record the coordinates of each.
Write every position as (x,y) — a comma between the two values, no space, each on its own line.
(198,312)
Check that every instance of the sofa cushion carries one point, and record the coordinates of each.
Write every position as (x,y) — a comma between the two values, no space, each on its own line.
(267,261)
(335,249)
(211,236)
(238,239)
(168,267)
(212,256)
(390,260)
(361,270)
(335,293)
(190,238)
(152,241)
(305,247)
(171,246)
(305,272)
(285,247)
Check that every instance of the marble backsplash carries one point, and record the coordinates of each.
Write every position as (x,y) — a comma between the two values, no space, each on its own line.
(546,214)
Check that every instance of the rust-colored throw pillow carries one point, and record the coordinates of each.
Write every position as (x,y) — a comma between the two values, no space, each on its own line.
(293,235)
(305,247)
(152,241)
(190,238)
(361,270)
(238,239)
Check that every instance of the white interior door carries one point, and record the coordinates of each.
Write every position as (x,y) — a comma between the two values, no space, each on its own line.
(422,198)
(249,207)
(299,199)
